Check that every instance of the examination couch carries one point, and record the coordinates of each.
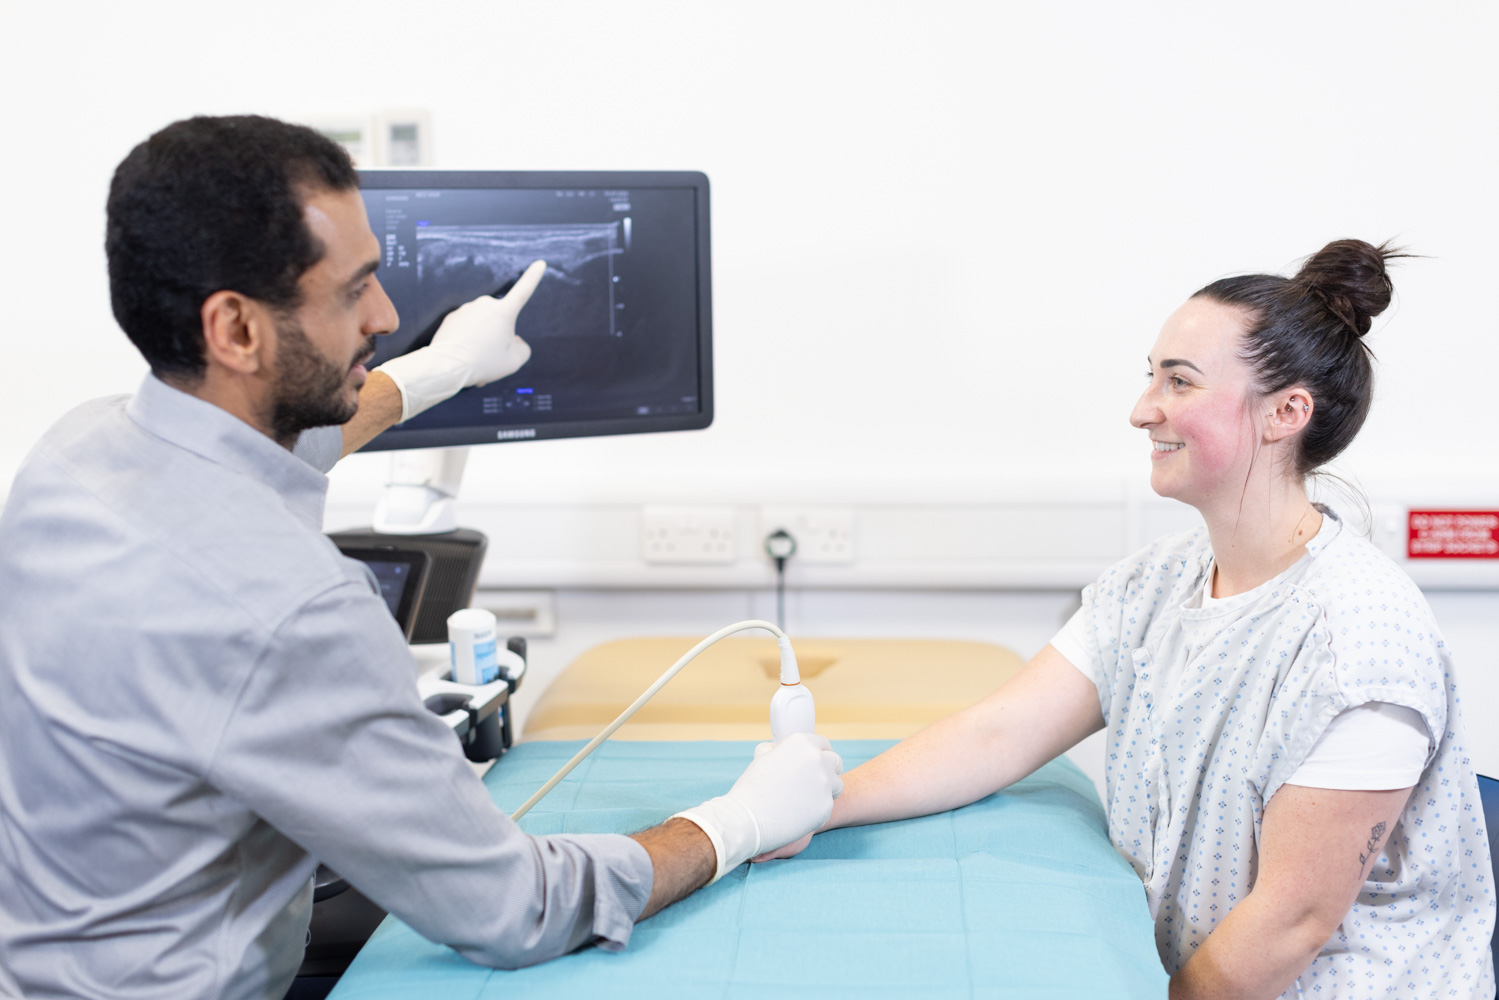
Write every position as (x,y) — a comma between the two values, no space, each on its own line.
(1019,895)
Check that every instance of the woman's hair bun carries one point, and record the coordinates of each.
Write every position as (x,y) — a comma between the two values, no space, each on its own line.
(1349,277)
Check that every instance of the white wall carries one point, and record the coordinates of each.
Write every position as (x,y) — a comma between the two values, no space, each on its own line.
(944,234)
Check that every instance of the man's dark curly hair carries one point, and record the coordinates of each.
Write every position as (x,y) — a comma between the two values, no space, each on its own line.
(205,205)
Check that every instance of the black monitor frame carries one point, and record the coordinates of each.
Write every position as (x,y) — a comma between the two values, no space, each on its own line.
(398,437)
(418,562)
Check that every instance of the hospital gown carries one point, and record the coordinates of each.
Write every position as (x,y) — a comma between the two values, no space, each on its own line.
(1208,711)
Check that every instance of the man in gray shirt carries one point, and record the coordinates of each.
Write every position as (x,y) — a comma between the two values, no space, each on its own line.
(199,695)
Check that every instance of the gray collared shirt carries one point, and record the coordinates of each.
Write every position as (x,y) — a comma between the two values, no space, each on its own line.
(198,696)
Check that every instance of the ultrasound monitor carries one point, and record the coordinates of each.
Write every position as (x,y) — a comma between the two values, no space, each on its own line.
(620,327)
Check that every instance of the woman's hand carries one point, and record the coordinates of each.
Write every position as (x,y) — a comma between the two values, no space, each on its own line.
(791,850)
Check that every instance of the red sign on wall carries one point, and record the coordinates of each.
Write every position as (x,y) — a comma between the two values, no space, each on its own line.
(1453,534)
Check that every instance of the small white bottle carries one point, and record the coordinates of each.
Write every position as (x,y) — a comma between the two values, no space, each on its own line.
(473,646)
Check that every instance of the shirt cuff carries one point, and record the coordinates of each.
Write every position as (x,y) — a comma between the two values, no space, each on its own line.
(623,877)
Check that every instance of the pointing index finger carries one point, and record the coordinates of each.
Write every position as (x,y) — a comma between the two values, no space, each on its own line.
(520,294)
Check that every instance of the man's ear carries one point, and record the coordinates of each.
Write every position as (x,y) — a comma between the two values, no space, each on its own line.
(1291,411)
(237,333)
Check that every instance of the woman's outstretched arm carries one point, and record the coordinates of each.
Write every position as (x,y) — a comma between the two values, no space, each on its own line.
(1040,712)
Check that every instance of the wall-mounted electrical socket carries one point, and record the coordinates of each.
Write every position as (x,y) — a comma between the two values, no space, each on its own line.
(395,137)
(688,535)
(357,132)
(520,612)
(824,535)
(404,138)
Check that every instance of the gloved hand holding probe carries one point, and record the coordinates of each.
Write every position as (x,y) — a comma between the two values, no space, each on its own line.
(475,345)
(785,793)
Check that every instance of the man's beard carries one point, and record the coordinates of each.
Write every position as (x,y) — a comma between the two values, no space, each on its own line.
(309,389)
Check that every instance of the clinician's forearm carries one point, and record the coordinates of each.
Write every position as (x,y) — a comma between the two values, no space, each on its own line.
(379,410)
(682,861)
(1037,714)
(1254,954)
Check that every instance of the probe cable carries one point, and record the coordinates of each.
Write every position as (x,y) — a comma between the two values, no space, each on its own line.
(780,546)
(646,696)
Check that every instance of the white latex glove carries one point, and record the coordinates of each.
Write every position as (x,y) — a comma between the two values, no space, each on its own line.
(475,345)
(785,793)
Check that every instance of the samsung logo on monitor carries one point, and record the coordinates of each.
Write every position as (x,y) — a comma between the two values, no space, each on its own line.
(512,435)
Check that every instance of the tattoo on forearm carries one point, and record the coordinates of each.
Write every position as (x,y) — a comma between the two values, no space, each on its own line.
(1375,836)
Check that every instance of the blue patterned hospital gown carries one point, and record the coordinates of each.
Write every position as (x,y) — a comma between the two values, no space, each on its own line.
(1209,711)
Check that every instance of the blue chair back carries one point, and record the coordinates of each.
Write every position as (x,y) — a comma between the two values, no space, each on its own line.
(1488,794)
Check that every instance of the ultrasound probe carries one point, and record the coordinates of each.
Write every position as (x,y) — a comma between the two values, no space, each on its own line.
(791,709)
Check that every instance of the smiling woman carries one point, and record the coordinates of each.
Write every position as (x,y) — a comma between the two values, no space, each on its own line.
(1273,687)
(1308,331)
(1255,383)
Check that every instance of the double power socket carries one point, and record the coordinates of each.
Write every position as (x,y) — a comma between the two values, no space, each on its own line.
(723,535)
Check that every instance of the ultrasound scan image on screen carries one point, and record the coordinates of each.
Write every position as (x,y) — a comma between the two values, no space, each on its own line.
(618,326)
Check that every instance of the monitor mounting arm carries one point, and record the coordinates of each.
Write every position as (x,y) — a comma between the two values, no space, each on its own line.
(421,492)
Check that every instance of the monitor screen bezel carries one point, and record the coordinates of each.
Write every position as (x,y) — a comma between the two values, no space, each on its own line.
(418,561)
(399,437)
